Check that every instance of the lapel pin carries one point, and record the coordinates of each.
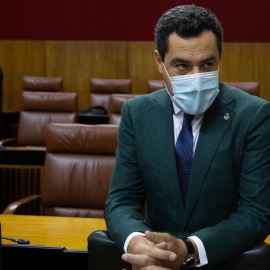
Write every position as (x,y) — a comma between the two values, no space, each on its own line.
(226,116)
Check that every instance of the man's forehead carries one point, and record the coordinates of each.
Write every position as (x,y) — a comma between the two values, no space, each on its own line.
(205,45)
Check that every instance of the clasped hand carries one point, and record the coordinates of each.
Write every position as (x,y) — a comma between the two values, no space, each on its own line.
(155,251)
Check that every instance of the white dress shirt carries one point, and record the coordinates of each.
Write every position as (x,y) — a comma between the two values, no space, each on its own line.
(178,117)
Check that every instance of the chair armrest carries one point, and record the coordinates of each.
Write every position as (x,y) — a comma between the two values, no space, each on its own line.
(100,246)
(9,142)
(13,207)
(257,257)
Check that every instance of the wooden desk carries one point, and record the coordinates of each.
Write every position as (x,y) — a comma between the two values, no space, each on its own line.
(267,240)
(67,232)
(55,242)
(29,148)
(90,119)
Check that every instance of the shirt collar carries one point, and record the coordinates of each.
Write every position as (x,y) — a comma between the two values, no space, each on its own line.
(176,109)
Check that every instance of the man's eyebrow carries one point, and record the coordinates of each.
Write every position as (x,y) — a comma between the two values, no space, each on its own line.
(210,58)
(181,60)
(178,60)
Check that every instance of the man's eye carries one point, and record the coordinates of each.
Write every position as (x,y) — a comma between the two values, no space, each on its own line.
(208,64)
(182,66)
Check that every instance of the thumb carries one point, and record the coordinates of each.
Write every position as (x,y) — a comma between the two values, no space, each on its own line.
(156,237)
(161,245)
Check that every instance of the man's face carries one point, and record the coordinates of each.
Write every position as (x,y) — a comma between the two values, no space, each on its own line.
(188,56)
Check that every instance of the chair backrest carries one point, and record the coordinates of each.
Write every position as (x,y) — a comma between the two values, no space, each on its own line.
(253,88)
(78,168)
(101,89)
(45,84)
(40,108)
(116,103)
(154,85)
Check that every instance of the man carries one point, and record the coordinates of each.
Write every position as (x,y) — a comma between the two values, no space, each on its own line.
(225,205)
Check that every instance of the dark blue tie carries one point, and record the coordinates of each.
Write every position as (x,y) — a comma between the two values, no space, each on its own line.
(184,154)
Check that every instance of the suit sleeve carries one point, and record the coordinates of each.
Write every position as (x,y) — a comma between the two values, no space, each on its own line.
(251,222)
(124,205)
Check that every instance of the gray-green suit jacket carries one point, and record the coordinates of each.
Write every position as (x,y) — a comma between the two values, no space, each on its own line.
(228,201)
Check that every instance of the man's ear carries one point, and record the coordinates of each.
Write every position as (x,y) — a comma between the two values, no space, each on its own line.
(158,60)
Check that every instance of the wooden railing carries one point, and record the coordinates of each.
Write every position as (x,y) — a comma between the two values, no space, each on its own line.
(19,181)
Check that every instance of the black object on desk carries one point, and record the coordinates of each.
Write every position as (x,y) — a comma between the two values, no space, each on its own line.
(93,116)
(90,119)
(18,241)
(93,119)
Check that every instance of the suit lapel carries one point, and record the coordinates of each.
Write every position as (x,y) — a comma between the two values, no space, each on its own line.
(163,139)
(215,123)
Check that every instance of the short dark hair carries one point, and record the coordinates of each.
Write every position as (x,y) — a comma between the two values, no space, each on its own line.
(186,21)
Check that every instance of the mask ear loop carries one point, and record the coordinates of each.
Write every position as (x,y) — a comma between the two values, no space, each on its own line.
(166,71)
(169,79)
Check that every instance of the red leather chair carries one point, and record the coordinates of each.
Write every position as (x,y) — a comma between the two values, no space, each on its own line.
(154,85)
(39,109)
(77,172)
(116,103)
(44,84)
(253,88)
(101,89)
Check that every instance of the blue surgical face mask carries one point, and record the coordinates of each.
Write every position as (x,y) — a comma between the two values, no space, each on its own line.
(194,93)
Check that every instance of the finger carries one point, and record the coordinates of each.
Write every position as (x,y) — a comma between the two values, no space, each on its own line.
(161,245)
(158,253)
(139,260)
(162,254)
(153,267)
(157,237)
(154,252)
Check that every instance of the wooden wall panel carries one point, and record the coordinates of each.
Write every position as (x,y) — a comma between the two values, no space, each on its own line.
(78,61)
(142,66)
(19,58)
(247,62)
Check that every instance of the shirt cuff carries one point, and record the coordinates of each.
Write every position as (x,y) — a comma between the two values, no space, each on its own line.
(130,237)
(201,250)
